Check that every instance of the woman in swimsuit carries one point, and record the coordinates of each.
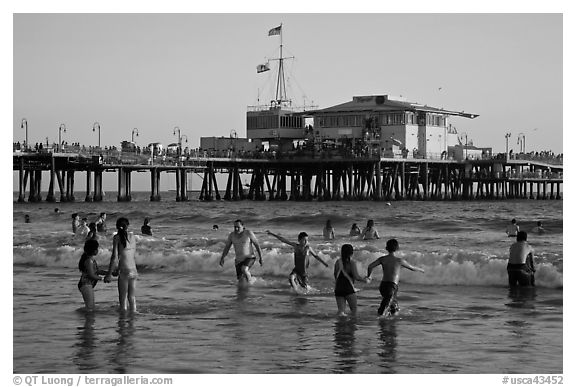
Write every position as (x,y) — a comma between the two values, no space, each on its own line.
(90,273)
(345,273)
(124,247)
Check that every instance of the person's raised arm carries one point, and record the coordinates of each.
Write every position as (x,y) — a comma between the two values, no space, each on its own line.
(226,249)
(280,238)
(410,267)
(315,255)
(256,244)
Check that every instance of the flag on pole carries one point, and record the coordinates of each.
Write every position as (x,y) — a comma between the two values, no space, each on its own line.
(275,31)
(262,67)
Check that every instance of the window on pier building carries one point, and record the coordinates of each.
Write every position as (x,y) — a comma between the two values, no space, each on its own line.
(340,121)
(392,119)
(291,122)
(262,122)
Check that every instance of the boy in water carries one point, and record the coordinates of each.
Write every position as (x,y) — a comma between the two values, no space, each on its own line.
(242,240)
(391,266)
(301,260)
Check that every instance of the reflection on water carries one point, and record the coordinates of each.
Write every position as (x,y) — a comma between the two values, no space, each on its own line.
(344,348)
(388,345)
(123,355)
(84,356)
(522,297)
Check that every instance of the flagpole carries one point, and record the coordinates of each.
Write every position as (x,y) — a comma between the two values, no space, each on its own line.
(280,83)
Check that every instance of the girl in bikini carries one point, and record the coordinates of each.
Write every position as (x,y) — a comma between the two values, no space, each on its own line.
(124,247)
(345,273)
(90,273)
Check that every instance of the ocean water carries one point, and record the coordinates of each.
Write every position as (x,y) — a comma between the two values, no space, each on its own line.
(457,318)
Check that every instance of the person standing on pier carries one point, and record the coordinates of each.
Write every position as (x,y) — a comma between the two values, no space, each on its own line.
(521,262)
(244,242)
(512,229)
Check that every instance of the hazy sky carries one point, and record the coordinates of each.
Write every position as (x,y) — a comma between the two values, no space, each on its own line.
(198,71)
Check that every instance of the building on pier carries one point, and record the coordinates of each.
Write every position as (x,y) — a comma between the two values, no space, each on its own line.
(391,124)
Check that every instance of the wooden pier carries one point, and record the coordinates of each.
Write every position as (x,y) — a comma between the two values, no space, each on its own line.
(297,178)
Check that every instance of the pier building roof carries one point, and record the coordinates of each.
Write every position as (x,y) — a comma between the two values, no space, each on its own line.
(372,103)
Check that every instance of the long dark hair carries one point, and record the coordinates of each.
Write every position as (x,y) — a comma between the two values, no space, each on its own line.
(90,249)
(346,253)
(122,226)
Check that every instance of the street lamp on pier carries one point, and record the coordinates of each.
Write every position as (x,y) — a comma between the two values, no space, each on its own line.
(134,130)
(507,136)
(97,125)
(522,142)
(24,125)
(179,138)
(60,129)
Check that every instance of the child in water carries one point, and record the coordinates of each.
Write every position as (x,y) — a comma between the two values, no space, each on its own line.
(124,248)
(328,231)
(345,273)
(391,266)
(90,273)
(301,260)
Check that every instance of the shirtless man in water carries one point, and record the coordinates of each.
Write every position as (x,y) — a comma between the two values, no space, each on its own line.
(521,262)
(242,240)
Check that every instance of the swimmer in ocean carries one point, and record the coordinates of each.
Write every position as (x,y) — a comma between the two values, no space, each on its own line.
(512,229)
(301,260)
(328,231)
(369,232)
(355,230)
(124,248)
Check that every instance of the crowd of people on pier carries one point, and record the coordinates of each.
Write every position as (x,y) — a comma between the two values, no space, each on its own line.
(328,150)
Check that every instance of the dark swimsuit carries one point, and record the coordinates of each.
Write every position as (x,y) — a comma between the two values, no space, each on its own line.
(247,262)
(85,279)
(300,265)
(520,274)
(343,286)
(388,291)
